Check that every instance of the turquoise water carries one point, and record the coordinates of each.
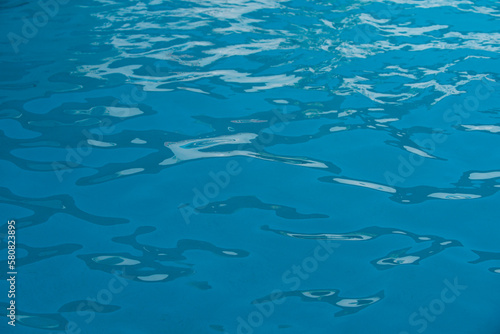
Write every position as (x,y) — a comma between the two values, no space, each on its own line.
(250,167)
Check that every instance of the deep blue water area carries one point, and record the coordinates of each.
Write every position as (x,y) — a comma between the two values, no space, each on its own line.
(250,166)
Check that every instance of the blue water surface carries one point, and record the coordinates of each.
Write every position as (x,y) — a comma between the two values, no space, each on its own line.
(251,166)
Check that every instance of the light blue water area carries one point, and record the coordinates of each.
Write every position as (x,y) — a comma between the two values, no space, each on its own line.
(251,166)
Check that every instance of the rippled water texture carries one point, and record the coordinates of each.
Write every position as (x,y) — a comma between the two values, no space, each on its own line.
(245,167)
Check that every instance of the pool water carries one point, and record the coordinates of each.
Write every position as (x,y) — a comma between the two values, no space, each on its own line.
(251,166)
